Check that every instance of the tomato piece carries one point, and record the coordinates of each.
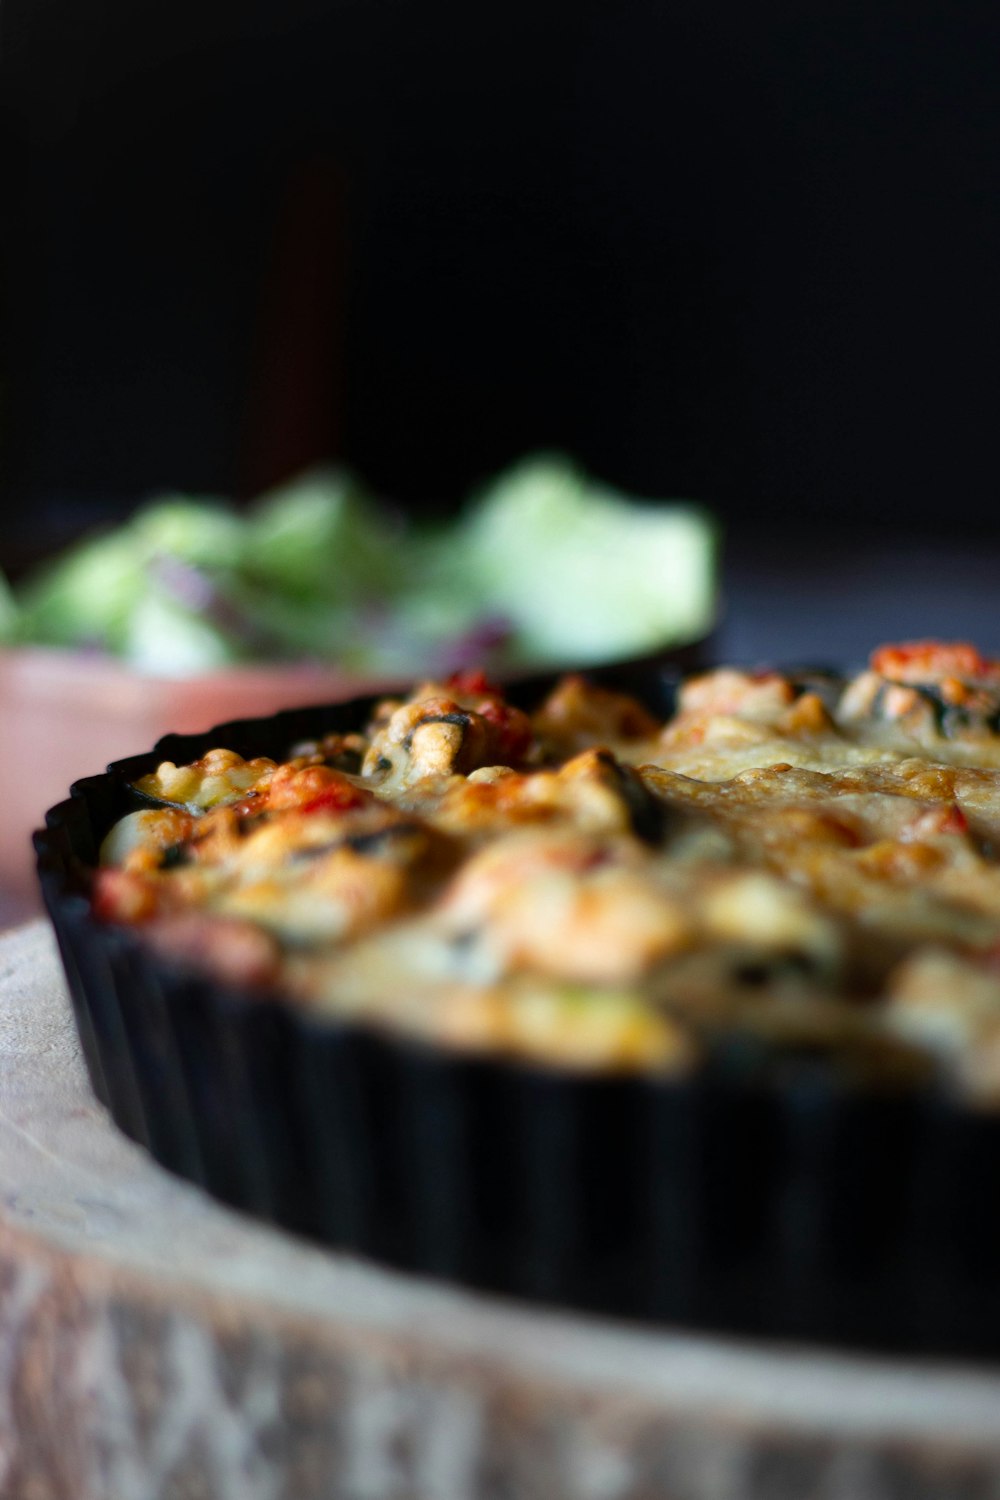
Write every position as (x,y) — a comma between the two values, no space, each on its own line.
(298,788)
(123,896)
(512,732)
(920,661)
(339,797)
(473,680)
(935,821)
(954,821)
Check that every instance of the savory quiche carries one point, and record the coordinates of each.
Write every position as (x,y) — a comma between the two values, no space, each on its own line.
(792,863)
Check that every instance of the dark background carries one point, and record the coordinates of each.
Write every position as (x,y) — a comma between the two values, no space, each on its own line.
(746,253)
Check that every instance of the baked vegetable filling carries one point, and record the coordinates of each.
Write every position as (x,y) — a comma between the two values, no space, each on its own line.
(791,865)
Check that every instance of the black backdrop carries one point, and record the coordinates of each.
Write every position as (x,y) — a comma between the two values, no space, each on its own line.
(743,252)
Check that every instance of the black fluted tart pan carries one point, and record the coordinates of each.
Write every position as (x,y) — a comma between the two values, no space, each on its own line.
(798,1205)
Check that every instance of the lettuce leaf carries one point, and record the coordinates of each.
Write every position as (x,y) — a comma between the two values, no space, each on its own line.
(582,572)
(544,566)
(321,536)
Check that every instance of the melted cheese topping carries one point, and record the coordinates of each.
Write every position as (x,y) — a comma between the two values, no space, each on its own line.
(792,865)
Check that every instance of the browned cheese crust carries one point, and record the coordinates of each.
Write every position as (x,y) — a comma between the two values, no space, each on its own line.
(804,864)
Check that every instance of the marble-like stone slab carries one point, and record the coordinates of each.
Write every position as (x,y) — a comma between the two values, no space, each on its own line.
(157,1346)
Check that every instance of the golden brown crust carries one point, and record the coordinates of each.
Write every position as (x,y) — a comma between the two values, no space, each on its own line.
(817,868)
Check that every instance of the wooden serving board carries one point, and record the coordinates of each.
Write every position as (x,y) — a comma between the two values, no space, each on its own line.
(156,1346)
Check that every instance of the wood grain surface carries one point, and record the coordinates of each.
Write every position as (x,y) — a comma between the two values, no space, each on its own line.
(157,1346)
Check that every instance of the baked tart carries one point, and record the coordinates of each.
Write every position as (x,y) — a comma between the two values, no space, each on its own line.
(682,1005)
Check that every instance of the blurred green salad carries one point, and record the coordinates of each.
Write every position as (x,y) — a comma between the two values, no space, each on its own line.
(542,567)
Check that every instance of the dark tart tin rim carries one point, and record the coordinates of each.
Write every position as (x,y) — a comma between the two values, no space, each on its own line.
(799,1204)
